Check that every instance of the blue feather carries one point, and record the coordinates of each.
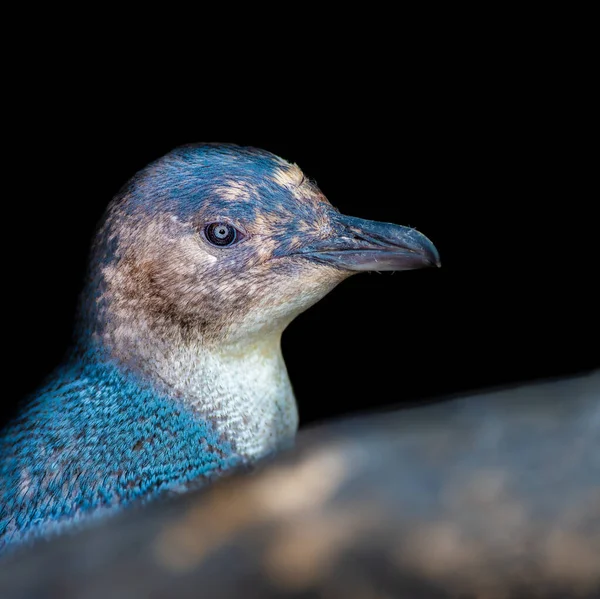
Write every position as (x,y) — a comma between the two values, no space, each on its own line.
(93,438)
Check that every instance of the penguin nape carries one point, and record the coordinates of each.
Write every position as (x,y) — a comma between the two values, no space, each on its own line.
(176,373)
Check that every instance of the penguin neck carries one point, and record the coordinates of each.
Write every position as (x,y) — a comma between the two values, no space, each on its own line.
(241,386)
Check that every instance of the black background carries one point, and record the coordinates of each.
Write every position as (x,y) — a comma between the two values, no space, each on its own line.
(479,150)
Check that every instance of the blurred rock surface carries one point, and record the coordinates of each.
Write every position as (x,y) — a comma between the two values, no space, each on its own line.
(495,495)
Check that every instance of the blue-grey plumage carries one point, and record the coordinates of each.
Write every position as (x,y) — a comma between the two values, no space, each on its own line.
(176,373)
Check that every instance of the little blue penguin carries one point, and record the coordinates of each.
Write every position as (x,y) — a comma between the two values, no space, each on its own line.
(176,373)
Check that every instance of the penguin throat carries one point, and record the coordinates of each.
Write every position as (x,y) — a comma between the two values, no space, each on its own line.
(242,388)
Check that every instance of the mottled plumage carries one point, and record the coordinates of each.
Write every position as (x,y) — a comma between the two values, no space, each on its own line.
(176,373)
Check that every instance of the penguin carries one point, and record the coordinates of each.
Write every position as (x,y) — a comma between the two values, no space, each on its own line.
(176,374)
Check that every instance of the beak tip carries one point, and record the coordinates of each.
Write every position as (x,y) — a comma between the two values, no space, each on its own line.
(433,255)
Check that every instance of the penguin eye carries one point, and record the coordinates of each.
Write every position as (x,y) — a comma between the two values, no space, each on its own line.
(221,234)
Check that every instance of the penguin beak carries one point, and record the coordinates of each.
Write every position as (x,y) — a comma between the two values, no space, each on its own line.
(362,245)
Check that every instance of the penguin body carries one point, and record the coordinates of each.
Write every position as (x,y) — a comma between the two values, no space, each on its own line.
(176,372)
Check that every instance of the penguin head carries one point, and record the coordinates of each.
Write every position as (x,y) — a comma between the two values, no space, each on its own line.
(225,243)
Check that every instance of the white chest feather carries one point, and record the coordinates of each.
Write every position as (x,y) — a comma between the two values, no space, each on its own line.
(245,391)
